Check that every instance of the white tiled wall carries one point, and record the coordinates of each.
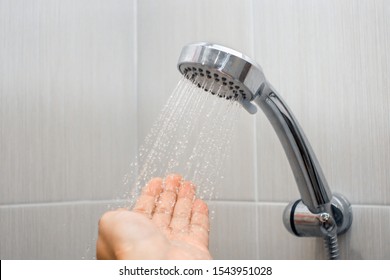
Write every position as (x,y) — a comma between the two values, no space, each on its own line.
(81,83)
(68,122)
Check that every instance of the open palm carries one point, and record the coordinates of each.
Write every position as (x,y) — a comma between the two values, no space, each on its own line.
(167,222)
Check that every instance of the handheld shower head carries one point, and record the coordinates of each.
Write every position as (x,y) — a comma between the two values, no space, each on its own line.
(229,74)
(234,76)
(223,72)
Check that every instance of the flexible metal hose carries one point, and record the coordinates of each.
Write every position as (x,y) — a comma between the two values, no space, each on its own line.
(331,245)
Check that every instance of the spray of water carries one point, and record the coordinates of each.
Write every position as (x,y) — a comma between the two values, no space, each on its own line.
(192,137)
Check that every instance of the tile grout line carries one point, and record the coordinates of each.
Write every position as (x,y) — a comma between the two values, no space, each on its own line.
(255,158)
(61,203)
(214,202)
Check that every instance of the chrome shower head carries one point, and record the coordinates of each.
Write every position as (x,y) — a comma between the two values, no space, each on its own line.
(223,72)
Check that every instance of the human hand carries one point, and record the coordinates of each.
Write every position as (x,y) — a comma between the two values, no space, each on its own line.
(167,222)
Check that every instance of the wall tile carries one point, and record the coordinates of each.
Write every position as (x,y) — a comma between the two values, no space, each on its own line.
(328,60)
(67,99)
(233,230)
(50,231)
(368,237)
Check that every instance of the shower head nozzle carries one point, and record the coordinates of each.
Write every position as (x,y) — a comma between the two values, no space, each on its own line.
(221,71)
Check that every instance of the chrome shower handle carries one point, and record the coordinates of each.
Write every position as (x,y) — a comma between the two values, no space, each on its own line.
(308,174)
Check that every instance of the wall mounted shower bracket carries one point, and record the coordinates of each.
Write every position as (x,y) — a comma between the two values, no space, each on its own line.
(232,75)
(300,221)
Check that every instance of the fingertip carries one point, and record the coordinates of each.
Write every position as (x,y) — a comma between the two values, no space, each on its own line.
(174,177)
(145,204)
(154,186)
(200,206)
(187,189)
(155,181)
(172,182)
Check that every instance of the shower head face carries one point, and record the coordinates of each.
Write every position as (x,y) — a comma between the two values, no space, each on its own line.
(221,71)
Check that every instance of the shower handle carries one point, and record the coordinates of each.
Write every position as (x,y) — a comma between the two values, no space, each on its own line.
(317,201)
(310,179)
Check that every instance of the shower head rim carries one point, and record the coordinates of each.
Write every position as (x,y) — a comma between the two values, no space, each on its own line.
(244,75)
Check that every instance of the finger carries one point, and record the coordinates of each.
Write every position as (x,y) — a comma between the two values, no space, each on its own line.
(146,203)
(166,202)
(182,212)
(199,225)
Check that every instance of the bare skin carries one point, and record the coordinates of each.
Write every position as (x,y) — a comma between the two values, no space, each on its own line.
(167,222)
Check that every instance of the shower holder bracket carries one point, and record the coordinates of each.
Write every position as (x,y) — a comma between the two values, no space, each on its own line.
(300,221)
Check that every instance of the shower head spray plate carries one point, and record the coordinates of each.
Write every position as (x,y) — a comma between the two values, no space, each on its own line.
(221,71)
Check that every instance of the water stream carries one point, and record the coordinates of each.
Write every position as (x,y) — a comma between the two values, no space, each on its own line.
(192,137)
